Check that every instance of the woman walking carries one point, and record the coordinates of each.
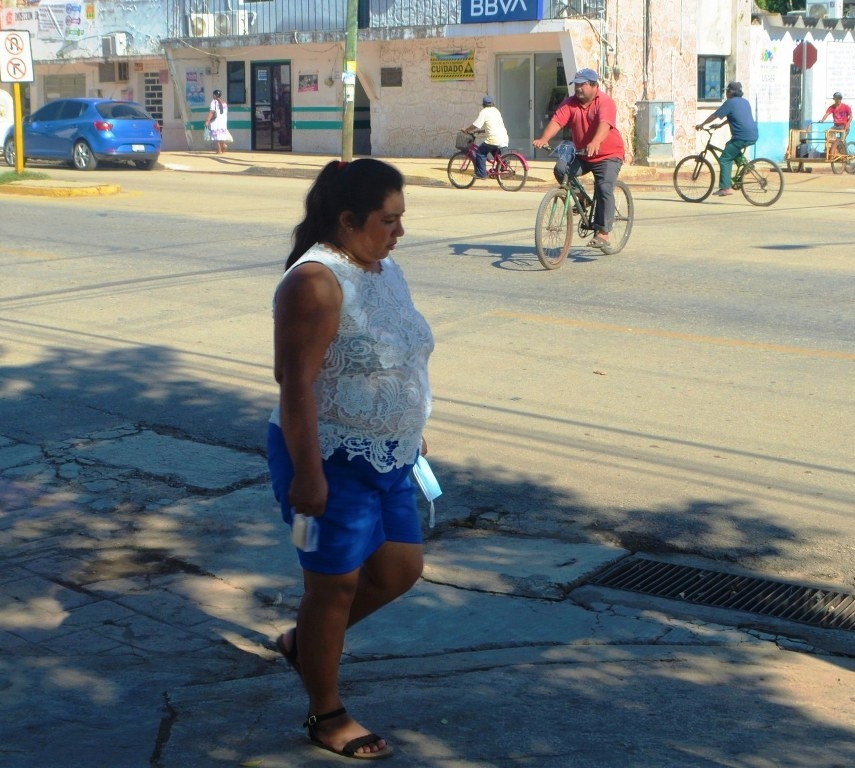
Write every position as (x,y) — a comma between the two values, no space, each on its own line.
(218,122)
(350,356)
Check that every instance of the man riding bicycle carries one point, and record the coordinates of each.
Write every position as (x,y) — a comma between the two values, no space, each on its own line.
(489,121)
(743,133)
(592,117)
(840,113)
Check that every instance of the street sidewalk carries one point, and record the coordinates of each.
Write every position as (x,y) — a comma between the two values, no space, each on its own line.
(423,171)
(146,577)
(418,171)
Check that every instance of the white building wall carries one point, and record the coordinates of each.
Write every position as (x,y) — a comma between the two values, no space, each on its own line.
(714,30)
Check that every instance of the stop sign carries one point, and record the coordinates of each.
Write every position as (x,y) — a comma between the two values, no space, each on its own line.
(804,55)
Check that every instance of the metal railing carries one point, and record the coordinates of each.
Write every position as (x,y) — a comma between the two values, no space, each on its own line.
(237,18)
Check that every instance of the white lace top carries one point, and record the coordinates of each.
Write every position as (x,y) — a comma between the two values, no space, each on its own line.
(372,391)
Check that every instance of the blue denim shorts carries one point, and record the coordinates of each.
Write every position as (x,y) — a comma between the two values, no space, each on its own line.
(365,508)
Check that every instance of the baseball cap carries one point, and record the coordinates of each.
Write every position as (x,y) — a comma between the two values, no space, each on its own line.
(837,95)
(487,101)
(735,86)
(586,76)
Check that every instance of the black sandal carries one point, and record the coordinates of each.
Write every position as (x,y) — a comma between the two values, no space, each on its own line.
(290,655)
(349,749)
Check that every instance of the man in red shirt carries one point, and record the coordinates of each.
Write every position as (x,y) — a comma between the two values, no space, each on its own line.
(840,113)
(592,117)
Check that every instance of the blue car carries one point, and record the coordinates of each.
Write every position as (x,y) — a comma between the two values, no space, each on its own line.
(84,131)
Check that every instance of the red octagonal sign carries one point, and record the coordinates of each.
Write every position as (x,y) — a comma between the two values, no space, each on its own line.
(804,55)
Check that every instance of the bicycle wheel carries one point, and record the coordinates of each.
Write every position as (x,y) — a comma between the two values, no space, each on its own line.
(553,229)
(513,173)
(850,157)
(694,178)
(624,215)
(461,171)
(837,155)
(762,182)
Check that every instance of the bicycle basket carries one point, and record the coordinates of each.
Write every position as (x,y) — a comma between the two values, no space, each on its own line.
(565,151)
(463,140)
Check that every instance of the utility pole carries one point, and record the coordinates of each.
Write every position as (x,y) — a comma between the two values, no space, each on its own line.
(349,81)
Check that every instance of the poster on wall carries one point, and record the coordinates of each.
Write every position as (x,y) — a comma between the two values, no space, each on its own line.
(446,67)
(195,89)
(307,81)
(52,24)
(840,73)
(20,19)
(770,83)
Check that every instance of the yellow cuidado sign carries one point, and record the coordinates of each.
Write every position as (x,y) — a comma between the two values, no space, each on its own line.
(452,66)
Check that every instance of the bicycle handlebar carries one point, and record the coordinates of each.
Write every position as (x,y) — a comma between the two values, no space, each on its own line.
(583,151)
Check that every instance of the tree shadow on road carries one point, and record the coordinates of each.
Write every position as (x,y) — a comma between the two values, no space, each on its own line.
(121,585)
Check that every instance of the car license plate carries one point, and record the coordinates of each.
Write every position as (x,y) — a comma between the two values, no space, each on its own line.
(138,147)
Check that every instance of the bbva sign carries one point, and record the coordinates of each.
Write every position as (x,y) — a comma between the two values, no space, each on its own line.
(481,11)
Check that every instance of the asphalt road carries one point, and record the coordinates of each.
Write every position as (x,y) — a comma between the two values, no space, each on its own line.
(693,393)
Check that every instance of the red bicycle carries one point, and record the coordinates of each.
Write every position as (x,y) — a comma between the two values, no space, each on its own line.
(508,167)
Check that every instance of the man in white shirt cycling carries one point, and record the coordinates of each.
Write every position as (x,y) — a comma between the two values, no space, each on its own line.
(489,121)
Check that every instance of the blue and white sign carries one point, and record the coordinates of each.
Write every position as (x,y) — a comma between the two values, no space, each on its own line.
(484,11)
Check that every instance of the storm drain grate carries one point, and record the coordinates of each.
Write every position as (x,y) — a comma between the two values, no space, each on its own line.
(807,605)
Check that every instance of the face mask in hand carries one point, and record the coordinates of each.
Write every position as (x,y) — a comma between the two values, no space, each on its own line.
(428,483)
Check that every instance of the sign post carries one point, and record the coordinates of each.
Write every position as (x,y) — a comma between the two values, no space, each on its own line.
(16,67)
(804,57)
(348,80)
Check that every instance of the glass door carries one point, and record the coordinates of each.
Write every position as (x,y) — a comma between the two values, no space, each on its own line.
(514,96)
(271,106)
(530,87)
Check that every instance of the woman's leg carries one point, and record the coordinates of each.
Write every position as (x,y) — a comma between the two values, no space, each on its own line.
(323,618)
(389,573)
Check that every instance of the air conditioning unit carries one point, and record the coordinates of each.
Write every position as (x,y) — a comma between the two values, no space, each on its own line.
(114,45)
(822,9)
(200,25)
(232,23)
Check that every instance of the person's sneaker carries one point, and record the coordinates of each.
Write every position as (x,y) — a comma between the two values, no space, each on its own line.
(724,192)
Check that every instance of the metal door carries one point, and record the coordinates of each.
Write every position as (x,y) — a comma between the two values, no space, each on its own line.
(271,106)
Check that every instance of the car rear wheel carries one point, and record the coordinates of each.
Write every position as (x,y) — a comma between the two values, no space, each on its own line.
(82,157)
(144,165)
(9,152)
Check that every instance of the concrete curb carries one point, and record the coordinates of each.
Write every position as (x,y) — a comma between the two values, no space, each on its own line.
(57,189)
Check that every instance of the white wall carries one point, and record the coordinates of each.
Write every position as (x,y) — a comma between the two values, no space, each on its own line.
(715,35)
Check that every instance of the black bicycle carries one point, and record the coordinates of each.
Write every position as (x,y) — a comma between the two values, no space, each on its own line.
(761,180)
(553,230)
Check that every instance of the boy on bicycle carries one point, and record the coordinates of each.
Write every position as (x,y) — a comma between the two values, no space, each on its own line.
(592,117)
(489,121)
(736,110)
